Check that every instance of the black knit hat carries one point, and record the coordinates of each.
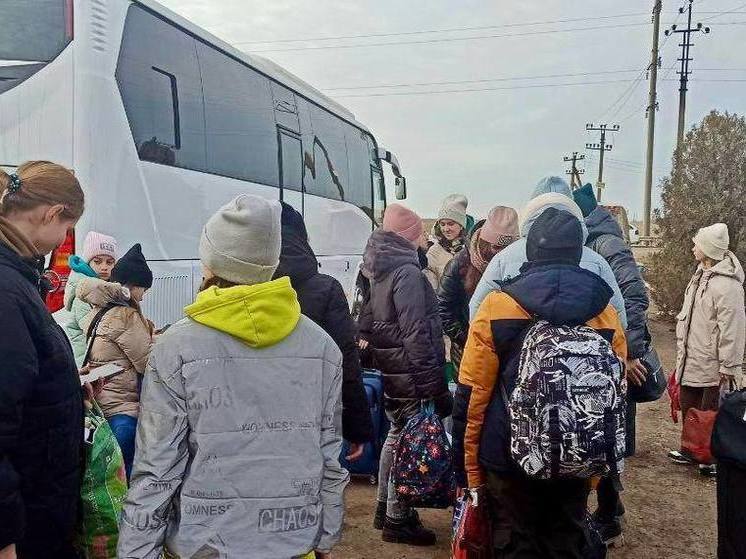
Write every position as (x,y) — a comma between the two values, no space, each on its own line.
(292,220)
(132,269)
(556,235)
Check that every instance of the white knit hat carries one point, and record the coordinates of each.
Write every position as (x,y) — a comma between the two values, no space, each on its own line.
(241,241)
(454,208)
(713,240)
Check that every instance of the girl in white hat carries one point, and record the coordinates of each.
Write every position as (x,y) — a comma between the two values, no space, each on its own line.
(711,327)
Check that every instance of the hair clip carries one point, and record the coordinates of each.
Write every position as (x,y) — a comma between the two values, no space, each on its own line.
(15,184)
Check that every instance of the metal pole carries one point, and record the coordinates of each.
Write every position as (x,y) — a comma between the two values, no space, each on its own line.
(684,76)
(652,107)
(599,185)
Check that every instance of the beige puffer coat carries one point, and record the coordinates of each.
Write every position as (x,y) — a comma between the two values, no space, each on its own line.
(711,327)
(123,337)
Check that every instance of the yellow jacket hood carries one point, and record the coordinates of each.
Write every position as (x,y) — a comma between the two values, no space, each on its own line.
(260,315)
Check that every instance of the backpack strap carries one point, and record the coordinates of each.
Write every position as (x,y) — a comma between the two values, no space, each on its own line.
(555,441)
(610,428)
(92,330)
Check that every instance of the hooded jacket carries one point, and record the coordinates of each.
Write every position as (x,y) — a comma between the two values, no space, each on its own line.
(560,293)
(76,307)
(605,237)
(41,418)
(322,299)
(123,337)
(405,332)
(239,433)
(507,264)
(711,327)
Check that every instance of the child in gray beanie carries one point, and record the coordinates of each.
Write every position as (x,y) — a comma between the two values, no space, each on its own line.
(241,414)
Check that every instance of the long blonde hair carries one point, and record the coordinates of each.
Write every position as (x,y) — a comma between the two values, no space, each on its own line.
(38,183)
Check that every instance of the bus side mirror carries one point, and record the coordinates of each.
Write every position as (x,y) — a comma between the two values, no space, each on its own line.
(401,188)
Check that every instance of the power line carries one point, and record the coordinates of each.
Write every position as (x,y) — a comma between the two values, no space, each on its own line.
(452,39)
(447,30)
(468,90)
(486,80)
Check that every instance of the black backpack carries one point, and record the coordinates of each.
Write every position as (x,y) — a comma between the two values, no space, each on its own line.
(729,434)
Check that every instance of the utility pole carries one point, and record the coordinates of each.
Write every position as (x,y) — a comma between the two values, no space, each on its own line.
(574,172)
(652,108)
(602,147)
(684,72)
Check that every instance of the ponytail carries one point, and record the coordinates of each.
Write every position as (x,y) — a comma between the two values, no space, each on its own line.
(38,183)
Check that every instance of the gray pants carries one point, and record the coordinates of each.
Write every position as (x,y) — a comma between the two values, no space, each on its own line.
(398,413)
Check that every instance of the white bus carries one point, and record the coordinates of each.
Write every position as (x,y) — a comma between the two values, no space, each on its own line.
(163,123)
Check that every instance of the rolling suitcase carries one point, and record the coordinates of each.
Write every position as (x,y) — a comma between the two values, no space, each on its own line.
(367,465)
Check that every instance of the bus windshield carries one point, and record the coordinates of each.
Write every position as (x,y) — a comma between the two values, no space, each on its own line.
(34,31)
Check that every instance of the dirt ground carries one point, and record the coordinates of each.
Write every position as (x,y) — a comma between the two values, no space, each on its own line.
(671,512)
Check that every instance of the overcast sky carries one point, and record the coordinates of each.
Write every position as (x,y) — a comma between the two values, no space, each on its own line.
(494,144)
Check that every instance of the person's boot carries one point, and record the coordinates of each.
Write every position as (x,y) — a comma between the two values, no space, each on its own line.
(380,516)
(609,528)
(409,531)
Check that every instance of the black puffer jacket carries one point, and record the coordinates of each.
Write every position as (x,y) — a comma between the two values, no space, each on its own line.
(605,237)
(405,331)
(41,418)
(322,299)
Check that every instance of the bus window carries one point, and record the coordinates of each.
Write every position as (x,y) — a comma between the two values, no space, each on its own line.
(239,124)
(326,157)
(379,195)
(359,188)
(291,161)
(286,110)
(34,31)
(161,87)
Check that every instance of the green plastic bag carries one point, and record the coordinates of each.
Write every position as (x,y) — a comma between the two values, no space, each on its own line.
(102,489)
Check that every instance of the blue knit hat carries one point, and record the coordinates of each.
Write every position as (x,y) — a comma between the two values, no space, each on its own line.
(586,199)
(552,184)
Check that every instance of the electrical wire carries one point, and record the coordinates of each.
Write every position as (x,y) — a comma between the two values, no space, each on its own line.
(451,39)
(447,30)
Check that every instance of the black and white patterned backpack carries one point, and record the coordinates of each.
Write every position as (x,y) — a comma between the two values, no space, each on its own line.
(567,411)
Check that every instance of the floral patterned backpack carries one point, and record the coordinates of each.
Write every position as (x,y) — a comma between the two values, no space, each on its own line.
(422,472)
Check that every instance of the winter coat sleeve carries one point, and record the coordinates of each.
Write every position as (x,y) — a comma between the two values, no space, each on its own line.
(606,273)
(335,477)
(622,262)
(731,323)
(410,302)
(134,340)
(478,377)
(451,296)
(160,462)
(18,367)
(357,426)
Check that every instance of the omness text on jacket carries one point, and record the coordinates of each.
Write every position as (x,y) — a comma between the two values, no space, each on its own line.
(240,430)
(41,418)
(711,327)
(123,337)
(560,293)
(507,264)
(405,332)
(77,308)
(322,299)
(606,238)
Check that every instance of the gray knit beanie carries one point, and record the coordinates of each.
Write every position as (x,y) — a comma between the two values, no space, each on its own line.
(453,207)
(241,241)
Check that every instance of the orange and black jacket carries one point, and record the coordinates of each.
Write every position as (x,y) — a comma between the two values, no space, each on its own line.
(558,292)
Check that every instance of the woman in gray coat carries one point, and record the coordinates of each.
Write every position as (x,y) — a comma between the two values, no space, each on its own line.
(241,419)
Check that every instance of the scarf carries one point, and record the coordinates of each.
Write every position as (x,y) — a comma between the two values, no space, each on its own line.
(14,239)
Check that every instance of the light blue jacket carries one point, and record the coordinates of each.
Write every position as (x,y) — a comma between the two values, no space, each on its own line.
(78,309)
(507,264)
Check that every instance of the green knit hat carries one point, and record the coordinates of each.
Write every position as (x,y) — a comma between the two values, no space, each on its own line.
(586,199)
